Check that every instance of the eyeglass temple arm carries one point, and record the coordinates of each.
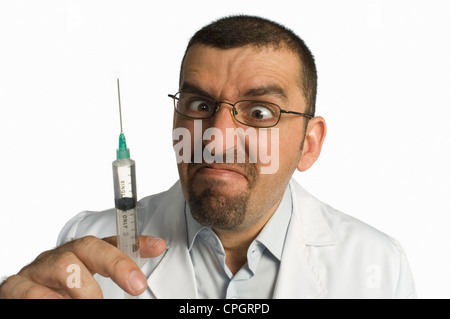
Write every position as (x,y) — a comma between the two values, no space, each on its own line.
(298,113)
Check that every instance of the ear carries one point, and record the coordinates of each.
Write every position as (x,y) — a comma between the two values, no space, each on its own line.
(315,136)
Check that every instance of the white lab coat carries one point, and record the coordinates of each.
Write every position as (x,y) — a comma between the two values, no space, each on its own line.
(327,254)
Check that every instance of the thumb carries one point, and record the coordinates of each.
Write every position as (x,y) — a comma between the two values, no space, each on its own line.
(149,246)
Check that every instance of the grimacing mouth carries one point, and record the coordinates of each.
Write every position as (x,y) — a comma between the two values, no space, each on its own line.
(247,170)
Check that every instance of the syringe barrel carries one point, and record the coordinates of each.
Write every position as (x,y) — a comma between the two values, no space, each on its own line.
(124,174)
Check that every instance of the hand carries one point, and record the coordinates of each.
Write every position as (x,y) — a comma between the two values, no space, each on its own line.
(46,276)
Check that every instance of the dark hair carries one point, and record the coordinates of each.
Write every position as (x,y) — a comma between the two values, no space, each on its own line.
(241,30)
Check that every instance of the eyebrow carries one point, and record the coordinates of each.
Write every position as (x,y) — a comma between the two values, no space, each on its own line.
(194,89)
(273,90)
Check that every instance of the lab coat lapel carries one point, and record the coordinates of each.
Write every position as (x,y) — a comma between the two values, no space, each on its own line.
(172,276)
(297,276)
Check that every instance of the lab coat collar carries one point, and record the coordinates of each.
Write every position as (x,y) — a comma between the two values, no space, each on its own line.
(309,213)
(297,277)
(169,222)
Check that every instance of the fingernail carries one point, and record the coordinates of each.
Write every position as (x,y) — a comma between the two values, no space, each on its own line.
(153,242)
(137,280)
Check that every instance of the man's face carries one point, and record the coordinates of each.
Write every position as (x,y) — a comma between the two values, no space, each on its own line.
(235,196)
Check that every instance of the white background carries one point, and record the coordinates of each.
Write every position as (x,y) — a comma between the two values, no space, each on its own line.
(384,85)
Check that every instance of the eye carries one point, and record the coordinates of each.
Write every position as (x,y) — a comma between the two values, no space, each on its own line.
(200,106)
(260,112)
(257,113)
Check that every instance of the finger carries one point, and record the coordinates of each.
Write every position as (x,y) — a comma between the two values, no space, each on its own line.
(19,287)
(62,271)
(107,260)
(149,246)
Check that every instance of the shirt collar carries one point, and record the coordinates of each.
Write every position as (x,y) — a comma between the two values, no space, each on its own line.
(272,236)
(193,227)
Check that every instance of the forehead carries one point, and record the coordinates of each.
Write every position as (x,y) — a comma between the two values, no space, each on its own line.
(229,73)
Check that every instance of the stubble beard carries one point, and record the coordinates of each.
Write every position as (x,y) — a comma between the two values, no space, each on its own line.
(212,208)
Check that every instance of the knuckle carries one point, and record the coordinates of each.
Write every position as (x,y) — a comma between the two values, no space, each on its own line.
(17,287)
(5,286)
(112,240)
(64,259)
(119,261)
(32,292)
(86,242)
(44,254)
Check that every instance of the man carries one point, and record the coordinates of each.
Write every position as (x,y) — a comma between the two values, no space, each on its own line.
(232,227)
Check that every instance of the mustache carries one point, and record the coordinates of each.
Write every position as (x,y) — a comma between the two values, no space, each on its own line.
(240,164)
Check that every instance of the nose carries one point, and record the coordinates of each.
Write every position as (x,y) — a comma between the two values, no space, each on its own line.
(223,117)
(219,122)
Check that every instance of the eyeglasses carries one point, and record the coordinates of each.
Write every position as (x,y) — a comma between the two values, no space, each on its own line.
(253,113)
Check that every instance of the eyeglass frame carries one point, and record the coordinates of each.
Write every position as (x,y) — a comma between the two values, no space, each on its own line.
(233,109)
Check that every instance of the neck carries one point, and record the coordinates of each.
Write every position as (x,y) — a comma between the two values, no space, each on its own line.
(237,242)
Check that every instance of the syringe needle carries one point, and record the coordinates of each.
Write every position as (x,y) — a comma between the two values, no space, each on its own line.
(120,106)
(122,152)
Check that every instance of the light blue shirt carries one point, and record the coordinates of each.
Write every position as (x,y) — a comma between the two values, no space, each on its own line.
(257,278)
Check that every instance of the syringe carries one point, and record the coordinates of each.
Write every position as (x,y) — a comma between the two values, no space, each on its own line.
(124,174)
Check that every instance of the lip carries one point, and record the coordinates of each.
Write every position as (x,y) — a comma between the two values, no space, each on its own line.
(220,170)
